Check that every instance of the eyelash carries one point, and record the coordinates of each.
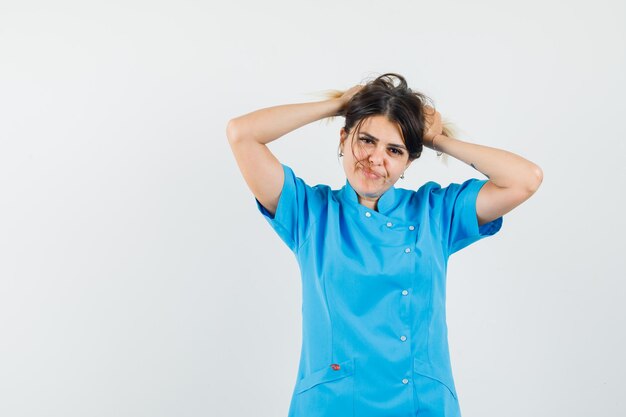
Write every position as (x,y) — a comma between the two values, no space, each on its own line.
(398,152)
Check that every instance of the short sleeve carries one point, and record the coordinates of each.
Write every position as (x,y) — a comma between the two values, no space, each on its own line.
(294,214)
(458,221)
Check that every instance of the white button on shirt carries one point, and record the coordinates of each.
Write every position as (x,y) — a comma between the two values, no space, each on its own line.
(368,214)
(405,292)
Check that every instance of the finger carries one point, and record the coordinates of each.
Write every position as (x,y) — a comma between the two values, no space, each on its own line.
(429,110)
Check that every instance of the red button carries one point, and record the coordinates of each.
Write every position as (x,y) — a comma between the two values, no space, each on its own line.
(335,367)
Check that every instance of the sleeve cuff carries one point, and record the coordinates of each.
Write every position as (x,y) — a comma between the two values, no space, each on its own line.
(474,232)
(283,219)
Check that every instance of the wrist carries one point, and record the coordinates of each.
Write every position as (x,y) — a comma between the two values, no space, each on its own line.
(335,106)
(438,142)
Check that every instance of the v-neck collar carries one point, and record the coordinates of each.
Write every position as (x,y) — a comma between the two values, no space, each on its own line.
(386,202)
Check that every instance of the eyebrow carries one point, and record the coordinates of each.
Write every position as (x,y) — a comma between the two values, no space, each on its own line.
(394,145)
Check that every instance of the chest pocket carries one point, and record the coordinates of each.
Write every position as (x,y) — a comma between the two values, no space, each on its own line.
(374,247)
(327,392)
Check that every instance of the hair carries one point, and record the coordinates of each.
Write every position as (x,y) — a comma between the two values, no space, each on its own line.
(398,103)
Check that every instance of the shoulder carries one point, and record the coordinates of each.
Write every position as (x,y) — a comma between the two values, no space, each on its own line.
(301,186)
(435,191)
(435,196)
(424,193)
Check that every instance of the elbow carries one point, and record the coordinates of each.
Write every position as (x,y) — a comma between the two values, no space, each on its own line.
(231,131)
(535,178)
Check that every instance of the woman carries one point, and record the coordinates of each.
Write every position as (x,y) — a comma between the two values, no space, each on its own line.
(372,256)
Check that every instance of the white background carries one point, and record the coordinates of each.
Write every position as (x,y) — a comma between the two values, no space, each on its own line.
(137,277)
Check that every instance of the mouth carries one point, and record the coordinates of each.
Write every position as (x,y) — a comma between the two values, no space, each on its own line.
(370,174)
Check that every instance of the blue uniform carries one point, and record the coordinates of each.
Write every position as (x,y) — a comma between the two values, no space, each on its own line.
(374,333)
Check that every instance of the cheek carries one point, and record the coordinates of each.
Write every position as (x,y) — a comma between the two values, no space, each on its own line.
(360,152)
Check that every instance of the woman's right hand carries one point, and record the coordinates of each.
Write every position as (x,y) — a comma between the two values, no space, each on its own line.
(344,98)
(348,94)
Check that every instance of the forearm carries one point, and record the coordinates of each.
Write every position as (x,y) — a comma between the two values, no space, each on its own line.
(268,124)
(505,169)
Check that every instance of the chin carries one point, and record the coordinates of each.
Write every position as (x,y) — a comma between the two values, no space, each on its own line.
(371,189)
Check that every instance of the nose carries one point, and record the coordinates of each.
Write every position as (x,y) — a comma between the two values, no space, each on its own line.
(376,157)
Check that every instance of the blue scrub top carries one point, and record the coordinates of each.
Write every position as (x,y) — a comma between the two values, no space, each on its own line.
(374,333)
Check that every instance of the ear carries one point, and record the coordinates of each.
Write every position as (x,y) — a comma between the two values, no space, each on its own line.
(343,135)
(408,163)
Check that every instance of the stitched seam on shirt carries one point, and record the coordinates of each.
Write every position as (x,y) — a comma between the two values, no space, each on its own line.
(306,239)
(285,232)
(437,220)
(430,308)
(330,320)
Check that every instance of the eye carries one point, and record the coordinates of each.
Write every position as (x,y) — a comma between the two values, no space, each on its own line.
(366,140)
(396,151)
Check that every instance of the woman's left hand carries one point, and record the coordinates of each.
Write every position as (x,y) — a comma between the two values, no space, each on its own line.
(434,126)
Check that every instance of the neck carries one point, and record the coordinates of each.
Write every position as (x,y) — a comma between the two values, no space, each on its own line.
(372,204)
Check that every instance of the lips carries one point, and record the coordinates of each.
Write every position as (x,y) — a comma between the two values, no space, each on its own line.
(371,174)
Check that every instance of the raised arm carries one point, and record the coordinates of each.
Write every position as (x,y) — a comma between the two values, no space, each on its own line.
(249,134)
(512,179)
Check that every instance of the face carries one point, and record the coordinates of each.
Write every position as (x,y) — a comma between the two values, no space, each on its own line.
(380,157)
